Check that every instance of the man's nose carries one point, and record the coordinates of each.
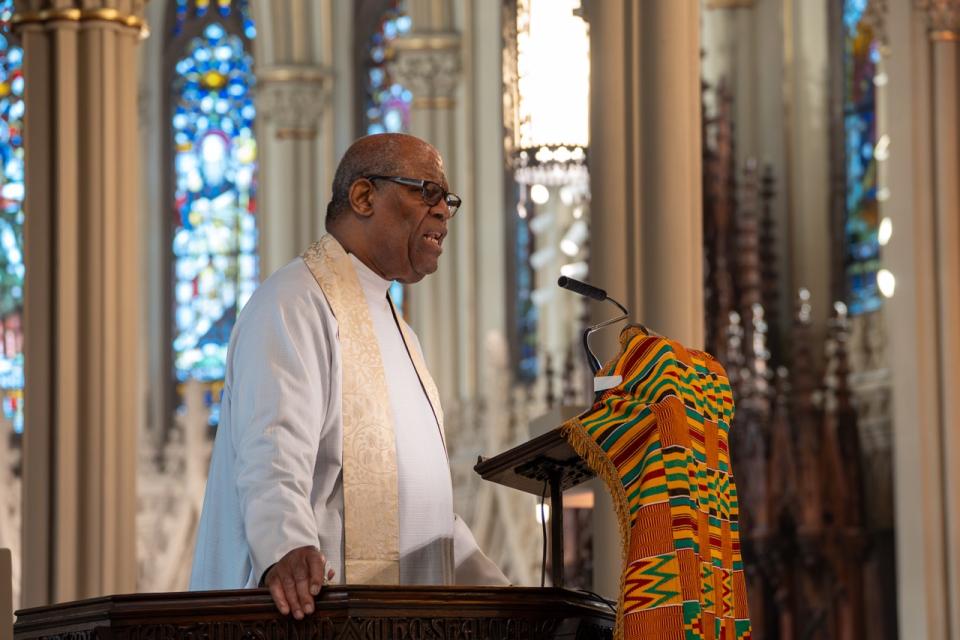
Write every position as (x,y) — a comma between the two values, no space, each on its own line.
(441,210)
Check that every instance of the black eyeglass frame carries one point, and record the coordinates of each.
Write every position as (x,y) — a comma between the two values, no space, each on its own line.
(452,200)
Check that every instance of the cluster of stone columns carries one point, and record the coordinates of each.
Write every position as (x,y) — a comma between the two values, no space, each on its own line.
(428,61)
(296,140)
(923,315)
(81,297)
(645,174)
(944,34)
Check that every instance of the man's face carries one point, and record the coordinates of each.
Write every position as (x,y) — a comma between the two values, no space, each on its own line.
(407,233)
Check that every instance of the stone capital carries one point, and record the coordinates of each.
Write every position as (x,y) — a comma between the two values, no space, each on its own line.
(943,19)
(429,66)
(293,99)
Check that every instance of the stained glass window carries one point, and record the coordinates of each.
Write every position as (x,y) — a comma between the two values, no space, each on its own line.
(215,264)
(388,102)
(861,224)
(11,223)
(527,316)
(201,7)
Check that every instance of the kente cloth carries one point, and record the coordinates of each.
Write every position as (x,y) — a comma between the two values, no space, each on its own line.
(371,512)
(659,441)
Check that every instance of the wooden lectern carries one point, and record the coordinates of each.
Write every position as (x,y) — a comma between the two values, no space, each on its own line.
(347,612)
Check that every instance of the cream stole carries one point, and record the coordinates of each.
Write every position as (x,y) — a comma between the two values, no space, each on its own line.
(371,517)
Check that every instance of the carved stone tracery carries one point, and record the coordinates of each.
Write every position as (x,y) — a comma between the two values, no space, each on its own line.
(293,98)
(428,65)
(943,18)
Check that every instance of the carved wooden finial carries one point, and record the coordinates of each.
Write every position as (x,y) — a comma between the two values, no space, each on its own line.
(769,275)
(805,416)
(748,240)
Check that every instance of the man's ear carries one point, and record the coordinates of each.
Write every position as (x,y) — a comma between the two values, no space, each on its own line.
(361,197)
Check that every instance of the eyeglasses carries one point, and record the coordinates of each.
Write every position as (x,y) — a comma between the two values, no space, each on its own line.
(431,192)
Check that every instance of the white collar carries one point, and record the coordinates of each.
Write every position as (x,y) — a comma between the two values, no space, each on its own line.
(370,281)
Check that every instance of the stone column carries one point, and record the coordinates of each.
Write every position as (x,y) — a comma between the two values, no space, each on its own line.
(82,297)
(428,63)
(294,54)
(944,35)
(645,172)
(291,101)
(924,206)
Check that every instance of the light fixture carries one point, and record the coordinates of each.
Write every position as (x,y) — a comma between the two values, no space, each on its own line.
(539,194)
(882,151)
(553,92)
(575,270)
(543,513)
(885,231)
(574,238)
(886,282)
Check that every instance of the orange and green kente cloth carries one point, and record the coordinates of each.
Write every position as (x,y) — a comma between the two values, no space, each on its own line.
(659,440)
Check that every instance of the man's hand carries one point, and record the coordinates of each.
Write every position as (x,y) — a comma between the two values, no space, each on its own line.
(295,579)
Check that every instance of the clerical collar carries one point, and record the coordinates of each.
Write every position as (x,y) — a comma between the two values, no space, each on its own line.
(369,279)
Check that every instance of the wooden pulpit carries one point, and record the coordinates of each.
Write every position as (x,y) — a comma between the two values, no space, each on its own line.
(342,612)
(544,464)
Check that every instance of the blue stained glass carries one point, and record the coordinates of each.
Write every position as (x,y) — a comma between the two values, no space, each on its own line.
(527,317)
(215,231)
(12,268)
(862,215)
(388,103)
(397,295)
(224,8)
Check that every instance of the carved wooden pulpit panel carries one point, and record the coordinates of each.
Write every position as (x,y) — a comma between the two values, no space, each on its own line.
(361,612)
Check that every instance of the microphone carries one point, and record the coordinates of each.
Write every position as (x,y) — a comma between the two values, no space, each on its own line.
(584,289)
(594,293)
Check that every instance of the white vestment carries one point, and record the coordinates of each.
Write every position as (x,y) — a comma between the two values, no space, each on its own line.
(275,479)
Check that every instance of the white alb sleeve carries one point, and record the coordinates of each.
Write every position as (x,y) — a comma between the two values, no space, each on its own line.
(281,365)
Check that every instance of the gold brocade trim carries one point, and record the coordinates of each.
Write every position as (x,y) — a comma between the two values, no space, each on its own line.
(944,35)
(72,14)
(371,513)
(433,102)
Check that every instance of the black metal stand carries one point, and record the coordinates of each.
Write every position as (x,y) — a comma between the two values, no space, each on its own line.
(545,459)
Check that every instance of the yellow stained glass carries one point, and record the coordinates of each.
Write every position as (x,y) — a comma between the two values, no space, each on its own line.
(214,80)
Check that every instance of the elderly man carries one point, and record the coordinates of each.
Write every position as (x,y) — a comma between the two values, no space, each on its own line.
(330,458)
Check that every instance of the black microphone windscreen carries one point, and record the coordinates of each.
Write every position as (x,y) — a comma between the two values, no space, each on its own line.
(582,288)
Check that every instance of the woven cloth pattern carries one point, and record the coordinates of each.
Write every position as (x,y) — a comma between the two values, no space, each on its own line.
(659,440)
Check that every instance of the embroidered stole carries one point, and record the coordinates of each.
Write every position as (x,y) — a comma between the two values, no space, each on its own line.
(371,510)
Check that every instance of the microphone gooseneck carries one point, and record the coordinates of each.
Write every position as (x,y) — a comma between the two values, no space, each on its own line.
(594,293)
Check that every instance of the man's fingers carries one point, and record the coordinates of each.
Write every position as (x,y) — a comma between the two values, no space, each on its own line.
(303,587)
(276,590)
(290,592)
(317,562)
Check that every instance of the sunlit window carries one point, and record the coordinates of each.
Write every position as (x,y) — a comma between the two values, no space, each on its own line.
(862,219)
(214,242)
